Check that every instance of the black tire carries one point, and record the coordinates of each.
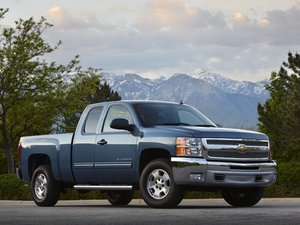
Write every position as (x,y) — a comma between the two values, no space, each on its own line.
(45,190)
(243,197)
(157,185)
(118,198)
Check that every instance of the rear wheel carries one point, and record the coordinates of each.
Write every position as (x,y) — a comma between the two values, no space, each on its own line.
(242,197)
(157,185)
(119,197)
(45,190)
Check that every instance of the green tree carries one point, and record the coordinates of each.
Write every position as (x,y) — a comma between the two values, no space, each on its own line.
(279,117)
(29,87)
(85,88)
(34,94)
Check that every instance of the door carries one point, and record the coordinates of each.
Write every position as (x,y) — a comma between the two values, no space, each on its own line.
(115,151)
(84,147)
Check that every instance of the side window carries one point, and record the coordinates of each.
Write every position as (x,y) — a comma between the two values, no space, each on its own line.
(92,119)
(114,112)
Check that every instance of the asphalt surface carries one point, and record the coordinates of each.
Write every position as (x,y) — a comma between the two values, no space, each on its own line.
(204,211)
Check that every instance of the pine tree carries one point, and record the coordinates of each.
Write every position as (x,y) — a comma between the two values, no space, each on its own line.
(85,88)
(104,93)
(279,117)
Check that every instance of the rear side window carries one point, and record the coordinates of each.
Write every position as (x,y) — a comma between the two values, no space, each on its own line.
(92,119)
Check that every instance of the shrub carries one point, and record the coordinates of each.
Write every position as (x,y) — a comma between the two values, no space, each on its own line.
(3,168)
(287,185)
(11,188)
(288,181)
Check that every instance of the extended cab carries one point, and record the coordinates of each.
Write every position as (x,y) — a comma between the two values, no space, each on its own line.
(160,148)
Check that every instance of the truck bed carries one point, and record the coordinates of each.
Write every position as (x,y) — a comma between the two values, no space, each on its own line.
(56,146)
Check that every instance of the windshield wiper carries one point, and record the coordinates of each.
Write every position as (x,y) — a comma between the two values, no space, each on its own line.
(205,125)
(172,124)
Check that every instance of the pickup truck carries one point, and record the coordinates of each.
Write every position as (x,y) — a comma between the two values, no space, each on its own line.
(160,148)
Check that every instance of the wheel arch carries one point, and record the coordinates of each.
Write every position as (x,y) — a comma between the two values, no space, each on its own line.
(149,155)
(36,160)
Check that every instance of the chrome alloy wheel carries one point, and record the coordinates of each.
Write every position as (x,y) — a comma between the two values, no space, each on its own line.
(158,184)
(41,186)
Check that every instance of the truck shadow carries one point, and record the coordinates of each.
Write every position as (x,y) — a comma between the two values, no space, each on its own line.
(145,206)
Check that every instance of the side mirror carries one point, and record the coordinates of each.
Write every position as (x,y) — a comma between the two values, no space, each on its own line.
(121,124)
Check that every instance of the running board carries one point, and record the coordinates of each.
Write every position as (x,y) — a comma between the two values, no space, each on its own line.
(102,187)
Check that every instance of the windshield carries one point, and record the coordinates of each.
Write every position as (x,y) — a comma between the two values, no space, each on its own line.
(152,114)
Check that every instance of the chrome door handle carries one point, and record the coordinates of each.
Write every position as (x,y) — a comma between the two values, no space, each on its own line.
(102,142)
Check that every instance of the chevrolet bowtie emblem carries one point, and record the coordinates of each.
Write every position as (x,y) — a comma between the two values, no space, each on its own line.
(242,148)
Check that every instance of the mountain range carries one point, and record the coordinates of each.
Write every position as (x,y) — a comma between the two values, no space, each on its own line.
(227,102)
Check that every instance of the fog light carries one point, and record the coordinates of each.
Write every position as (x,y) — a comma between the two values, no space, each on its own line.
(197,177)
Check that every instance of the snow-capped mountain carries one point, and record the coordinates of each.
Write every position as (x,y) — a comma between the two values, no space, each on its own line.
(227,102)
(132,86)
(255,89)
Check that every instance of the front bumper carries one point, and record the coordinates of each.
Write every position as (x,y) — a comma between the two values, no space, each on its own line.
(200,172)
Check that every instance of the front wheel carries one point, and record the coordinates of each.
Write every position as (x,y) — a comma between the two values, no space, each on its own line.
(157,185)
(243,197)
(45,190)
(119,198)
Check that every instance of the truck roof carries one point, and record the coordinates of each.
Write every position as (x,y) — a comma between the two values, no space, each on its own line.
(136,101)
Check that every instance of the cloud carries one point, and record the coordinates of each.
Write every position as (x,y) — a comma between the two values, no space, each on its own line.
(239,18)
(173,34)
(213,60)
(283,26)
(60,17)
(264,22)
(178,15)
(64,20)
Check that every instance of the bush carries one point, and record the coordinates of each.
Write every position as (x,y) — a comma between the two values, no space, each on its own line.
(11,188)
(287,185)
(3,168)
(288,181)
(72,194)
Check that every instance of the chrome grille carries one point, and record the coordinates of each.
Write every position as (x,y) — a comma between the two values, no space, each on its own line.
(237,142)
(236,149)
(236,154)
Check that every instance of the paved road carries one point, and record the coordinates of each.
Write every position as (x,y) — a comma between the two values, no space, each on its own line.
(207,211)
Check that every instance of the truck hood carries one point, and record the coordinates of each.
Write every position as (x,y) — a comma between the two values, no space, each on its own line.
(214,132)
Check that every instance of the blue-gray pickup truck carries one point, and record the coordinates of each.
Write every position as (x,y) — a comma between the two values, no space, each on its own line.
(160,148)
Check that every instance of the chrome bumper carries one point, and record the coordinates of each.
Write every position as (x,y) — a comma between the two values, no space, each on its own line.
(200,172)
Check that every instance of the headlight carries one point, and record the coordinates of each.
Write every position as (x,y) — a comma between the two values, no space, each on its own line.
(188,146)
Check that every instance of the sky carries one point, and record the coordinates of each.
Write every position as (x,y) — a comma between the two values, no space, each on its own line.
(240,39)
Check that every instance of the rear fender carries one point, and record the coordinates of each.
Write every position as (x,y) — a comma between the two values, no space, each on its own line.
(43,151)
